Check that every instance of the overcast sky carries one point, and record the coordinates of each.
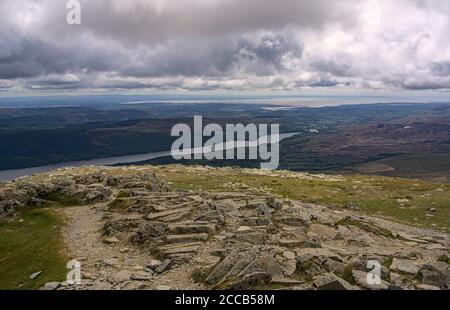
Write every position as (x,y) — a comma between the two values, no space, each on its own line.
(220,45)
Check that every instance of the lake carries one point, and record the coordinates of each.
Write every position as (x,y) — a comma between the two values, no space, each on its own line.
(8,175)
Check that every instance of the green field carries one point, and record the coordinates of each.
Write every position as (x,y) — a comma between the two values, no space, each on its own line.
(31,245)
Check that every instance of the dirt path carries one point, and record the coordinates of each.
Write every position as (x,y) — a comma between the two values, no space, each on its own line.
(112,266)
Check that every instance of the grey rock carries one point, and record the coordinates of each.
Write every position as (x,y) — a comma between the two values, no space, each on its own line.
(224,267)
(436,274)
(35,275)
(351,206)
(256,221)
(315,261)
(112,262)
(289,255)
(290,243)
(285,282)
(295,222)
(100,286)
(187,238)
(426,287)
(243,229)
(405,266)
(256,238)
(410,254)
(141,276)
(361,279)
(121,276)
(192,228)
(332,282)
(164,266)
(274,203)
(153,264)
(250,281)
(51,286)
(111,240)
(150,230)
(401,282)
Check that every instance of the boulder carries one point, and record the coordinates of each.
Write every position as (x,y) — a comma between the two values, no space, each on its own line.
(121,276)
(436,274)
(361,279)
(255,238)
(250,281)
(274,203)
(51,286)
(35,275)
(317,261)
(141,276)
(289,255)
(164,266)
(426,287)
(111,240)
(332,282)
(153,264)
(318,231)
(150,230)
(404,266)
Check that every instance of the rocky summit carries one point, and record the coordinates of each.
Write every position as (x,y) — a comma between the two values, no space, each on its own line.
(130,230)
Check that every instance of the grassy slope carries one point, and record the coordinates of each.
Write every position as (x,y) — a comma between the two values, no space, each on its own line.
(403,200)
(30,246)
(426,167)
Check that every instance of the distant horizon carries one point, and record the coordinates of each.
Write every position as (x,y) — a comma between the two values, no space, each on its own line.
(289,100)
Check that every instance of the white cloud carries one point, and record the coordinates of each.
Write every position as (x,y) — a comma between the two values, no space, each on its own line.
(226,44)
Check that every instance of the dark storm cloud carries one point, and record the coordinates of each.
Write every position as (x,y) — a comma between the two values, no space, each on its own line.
(225,44)
(144,22)
(441,69)
(261,56)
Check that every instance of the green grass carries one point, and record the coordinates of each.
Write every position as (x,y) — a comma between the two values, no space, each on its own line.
(403,200)
(426,167)
(31,246)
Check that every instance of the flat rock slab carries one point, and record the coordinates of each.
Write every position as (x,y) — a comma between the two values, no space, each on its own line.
(180,250)
(192,228)
(141,276)
(361,279)
(111,240)
(51,286)
(332,282)
(164,266)
(121,276)
(315,252)
(158,215)
(426,287)
(284,281)
(186,238)
(405,266)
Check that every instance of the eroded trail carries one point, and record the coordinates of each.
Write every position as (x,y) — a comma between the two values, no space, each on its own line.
(112,265)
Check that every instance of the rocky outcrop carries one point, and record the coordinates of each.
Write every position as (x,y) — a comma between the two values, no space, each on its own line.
(233,240)
(74,186)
